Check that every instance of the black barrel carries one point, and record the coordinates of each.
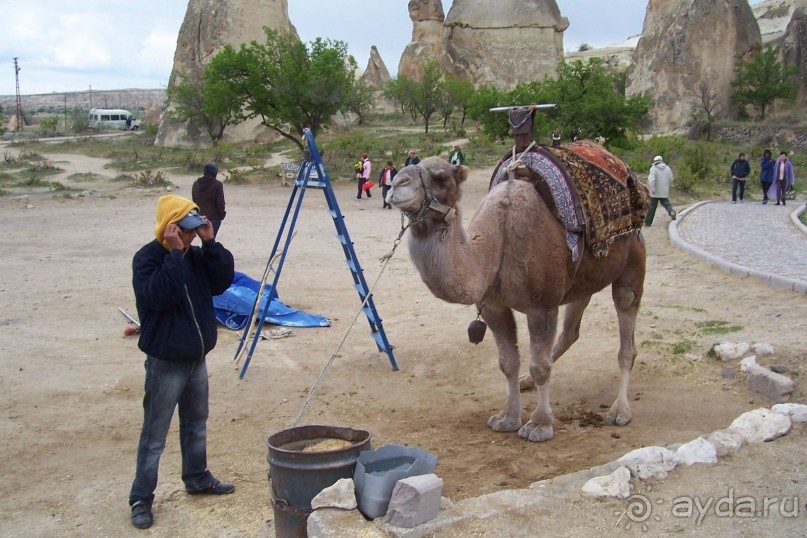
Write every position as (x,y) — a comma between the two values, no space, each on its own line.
(297,476)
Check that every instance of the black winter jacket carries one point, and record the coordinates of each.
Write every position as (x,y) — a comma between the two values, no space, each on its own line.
(740,168)
(174,294)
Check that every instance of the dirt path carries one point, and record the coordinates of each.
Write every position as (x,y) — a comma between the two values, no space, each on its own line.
(70,409)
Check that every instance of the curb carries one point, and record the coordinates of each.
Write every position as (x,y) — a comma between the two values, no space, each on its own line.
(776,281)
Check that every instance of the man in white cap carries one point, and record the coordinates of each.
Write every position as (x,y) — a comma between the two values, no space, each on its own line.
(659,181)
(174,283)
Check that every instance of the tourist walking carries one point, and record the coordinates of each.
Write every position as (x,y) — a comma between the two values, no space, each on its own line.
(208,193)
(740,169)
(363,176)
(766,164)
(412,158)
(456,158)
(174,284)
(783,179)
(658,181)
(385,180)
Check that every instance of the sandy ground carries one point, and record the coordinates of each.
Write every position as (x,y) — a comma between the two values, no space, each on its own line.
(71,385)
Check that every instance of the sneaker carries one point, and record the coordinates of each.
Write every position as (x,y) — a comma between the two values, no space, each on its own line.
(764,202)
(141,515)
(358,197)
(214,488)
(733,201)
(673,215)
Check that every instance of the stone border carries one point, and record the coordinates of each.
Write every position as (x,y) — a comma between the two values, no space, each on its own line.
(777,281)
(752,427)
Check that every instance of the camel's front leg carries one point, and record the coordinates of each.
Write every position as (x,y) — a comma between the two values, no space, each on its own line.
(627,309)
(503,326)
(572,315)
(542,326)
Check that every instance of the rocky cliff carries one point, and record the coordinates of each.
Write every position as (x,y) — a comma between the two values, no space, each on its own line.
(688,51)
(428,39)
(207,27)
(793,49)
(504,43)
(497,43)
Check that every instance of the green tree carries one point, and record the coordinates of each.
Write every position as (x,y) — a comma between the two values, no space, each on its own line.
(428,92)
(479,105)
(457,95)
(49,126)
(762,80)
(362,101)
(287,84)
(189,102)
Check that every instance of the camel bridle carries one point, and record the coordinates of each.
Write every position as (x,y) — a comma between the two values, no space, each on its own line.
(430,201)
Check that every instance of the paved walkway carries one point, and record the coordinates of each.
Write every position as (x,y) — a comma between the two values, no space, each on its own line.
(747,239)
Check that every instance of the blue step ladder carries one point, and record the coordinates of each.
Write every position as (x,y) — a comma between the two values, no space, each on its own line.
(312,175)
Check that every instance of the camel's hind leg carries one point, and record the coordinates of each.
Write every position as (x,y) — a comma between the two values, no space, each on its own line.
(542,326)
(627,295)
(572,316)
(503,326)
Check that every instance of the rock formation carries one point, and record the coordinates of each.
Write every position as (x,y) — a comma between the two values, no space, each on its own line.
(505,43)
(376,75)
(207,27)
(689,48)
(793,49)
(428,39)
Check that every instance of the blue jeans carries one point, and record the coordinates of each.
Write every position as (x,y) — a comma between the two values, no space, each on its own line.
(168,384)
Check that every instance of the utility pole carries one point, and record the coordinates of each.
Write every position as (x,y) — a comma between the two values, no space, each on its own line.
(90,96)
(19,98)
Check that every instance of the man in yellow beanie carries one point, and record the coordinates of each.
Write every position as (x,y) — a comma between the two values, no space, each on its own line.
(174,284)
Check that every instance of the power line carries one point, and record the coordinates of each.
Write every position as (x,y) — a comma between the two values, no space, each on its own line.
(19,98)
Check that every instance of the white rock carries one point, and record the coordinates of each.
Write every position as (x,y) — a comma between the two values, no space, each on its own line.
(341,495)
(729,351)
(796,412)
(616,484)
(415,500)
(761,425)
(748,363)
(762,349)
(698,451)
(649,462)
(726,442)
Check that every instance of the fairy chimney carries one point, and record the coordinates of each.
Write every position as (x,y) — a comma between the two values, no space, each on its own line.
(793,48)
(376,75)
(428,36)
(208,26)
(687,45)
(505,43)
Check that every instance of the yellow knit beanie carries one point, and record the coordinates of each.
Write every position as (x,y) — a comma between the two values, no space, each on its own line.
(170,209)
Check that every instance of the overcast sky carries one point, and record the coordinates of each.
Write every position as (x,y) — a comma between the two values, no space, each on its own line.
(71,45)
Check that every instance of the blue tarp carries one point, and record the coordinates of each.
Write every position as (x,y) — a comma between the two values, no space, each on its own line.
(234,306)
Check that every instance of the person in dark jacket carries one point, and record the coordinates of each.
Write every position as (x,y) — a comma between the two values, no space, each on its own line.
(740,169)
(208,193)
(174,284)
(385,180)
(412,158)
(766,173)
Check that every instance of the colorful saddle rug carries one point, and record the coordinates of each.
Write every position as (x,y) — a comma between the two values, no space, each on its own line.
(603,194)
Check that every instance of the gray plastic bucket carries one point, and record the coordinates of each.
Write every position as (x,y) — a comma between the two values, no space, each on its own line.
(377,472)
(297,477)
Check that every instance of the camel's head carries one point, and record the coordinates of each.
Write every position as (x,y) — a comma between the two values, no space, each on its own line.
(432,184)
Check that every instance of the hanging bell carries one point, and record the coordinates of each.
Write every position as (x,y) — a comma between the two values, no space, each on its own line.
(476,331)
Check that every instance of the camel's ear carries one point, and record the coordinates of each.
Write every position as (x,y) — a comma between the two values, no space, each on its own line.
(461,173)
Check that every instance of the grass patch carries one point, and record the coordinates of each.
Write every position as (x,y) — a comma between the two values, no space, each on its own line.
(683,346)
(717,327)
(83,177)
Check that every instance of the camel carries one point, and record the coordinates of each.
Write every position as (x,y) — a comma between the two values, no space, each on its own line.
(513,256)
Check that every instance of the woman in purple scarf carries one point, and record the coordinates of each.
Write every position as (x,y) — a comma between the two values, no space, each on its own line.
(783,178)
